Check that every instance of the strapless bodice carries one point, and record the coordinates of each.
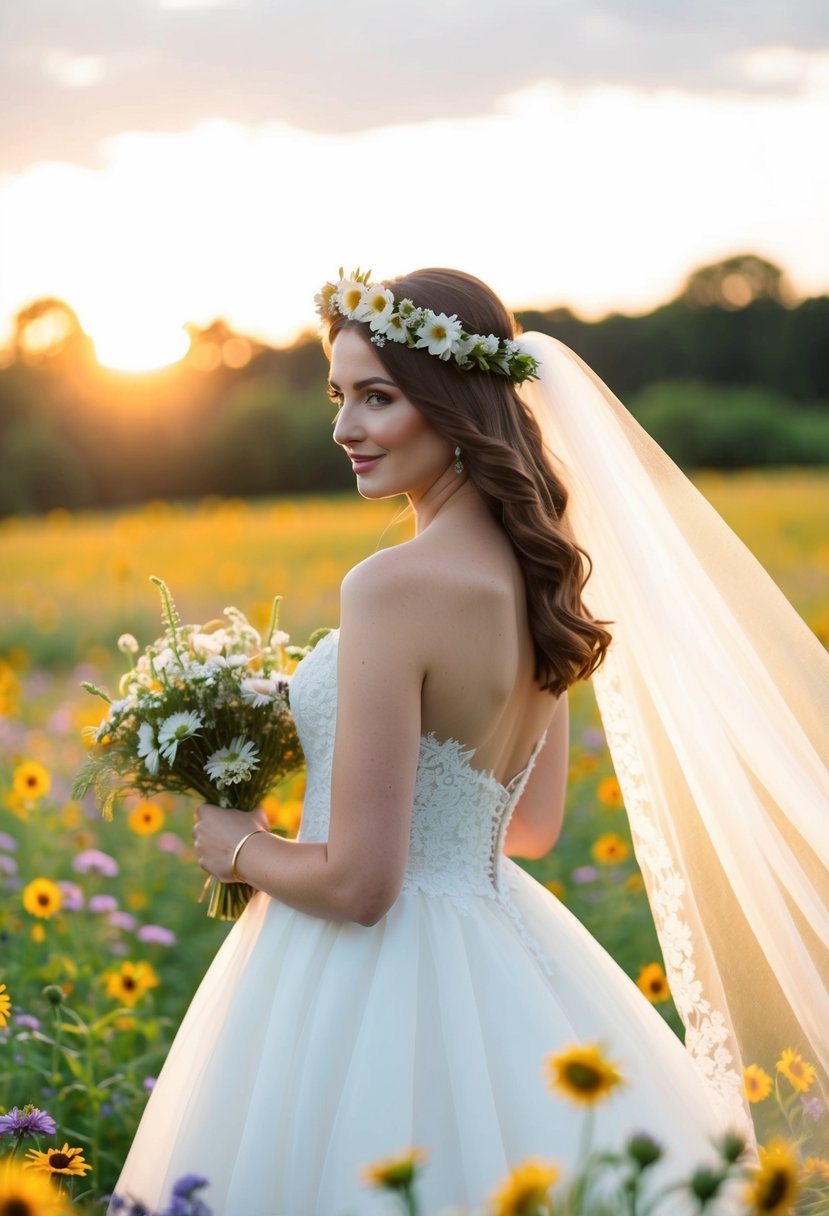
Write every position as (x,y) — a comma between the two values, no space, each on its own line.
(459,816)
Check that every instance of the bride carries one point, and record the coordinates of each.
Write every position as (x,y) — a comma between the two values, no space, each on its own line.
(398,981)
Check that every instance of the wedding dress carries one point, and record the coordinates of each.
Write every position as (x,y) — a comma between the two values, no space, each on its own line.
(314,1047)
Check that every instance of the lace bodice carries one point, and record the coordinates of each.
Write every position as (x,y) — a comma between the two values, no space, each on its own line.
(459,816)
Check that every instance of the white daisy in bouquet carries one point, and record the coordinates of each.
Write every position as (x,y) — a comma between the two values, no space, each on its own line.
(204,710)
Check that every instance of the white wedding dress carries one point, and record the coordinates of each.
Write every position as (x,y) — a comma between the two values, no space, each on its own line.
(313,1047)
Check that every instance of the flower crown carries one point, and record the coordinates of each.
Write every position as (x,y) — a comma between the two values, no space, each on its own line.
(358,299)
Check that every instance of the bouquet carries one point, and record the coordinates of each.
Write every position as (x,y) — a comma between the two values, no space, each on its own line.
(204,710)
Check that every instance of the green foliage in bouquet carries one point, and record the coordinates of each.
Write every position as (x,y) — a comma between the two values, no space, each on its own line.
(204,710)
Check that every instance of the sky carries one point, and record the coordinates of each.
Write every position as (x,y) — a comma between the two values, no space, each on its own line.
(166,161)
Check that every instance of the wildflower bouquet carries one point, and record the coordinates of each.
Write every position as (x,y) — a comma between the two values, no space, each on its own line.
(204,710)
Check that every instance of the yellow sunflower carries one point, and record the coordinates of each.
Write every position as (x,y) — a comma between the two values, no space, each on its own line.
(146,818)
(394,1173)
(609,793)
(796,1069)
(5,1005)
(583,1074)
(654,983)
(23,1193)
(526,1191)
(774,1186)
(31,780)
(129,983)
(757,1083)
(42,898)
(610,848)
(64,1160)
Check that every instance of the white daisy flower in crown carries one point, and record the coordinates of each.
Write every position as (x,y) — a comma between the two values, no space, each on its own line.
(437,333)
(462,346)
(376,307)
(349,296)
(490,344)
(175,730)
(396,329)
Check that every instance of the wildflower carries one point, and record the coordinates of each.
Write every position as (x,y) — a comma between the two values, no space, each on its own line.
(644,1150)
(375,307)
(7,864)
(5,1005)
(28,1194)
(184,1187)
(817,1166)
(813,1107)
(71,896)
(583,1074)
(349,296)
(609,848)
(706,1184)
(168,842)
(233,764)
(147,749)
(42,898)
(557,889)
(146,818)
(27,1122)
(438,333)
(93,861)
(122,920)
(609,793)
(796,1069)
(584,874)
(653,982)
(127,644)
(156,935)
(129,983)
(103,903)
(526,1190)
(283,814)
(8,843)
(394,1173)
(757,1083)
(634,882)
(64,1160)
(774,1186)
(258,691)
(31,780)
(175,730)
(27,1020)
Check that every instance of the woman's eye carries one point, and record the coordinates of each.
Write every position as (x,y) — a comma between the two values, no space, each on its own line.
(375,398)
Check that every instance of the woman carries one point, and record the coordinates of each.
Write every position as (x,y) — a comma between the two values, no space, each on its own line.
(398,981)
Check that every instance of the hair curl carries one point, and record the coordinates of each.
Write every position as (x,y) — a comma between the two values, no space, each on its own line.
(505,459)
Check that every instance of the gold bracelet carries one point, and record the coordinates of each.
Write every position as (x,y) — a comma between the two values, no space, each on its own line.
(238,850)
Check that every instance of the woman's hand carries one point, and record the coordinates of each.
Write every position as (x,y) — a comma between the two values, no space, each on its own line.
(216,833)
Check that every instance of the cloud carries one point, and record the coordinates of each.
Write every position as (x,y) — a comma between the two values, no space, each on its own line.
(77,74)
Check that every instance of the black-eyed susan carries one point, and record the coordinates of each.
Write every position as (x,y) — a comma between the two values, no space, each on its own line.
(42,898)
(526,1191)
(583,1074)
(757,1083)
(609,793)
(5,1005)
(394,1173)
(654,983)
(23,1193)
(129,983)
(796,1070)
(146,818)
(774,1186)
(30,780)
(64,1160)
(610,848)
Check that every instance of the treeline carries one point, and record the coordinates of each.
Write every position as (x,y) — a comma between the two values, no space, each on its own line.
(731,373)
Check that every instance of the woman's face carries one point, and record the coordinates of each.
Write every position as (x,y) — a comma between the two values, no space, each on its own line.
(392,448)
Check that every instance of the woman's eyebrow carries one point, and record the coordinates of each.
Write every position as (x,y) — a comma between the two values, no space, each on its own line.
(364,383)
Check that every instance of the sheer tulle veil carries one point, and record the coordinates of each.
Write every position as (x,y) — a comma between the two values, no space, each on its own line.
(714,697)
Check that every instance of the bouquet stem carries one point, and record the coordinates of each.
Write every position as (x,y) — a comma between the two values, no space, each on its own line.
(225,900)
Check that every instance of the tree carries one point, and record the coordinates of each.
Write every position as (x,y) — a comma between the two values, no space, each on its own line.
(737,282)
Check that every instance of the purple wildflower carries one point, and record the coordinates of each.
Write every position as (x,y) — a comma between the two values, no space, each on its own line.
(168,842)
(27,1020)
(8,843)
(149,1084)
(584,874)
(593,739)
(156,935)
(122,920)
(7,864)
(103,903)
(71,896)
(813,1107)
(93,861)
(27,1122)
(184,1187)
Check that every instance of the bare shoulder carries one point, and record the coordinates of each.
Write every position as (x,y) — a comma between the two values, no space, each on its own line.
(393,581)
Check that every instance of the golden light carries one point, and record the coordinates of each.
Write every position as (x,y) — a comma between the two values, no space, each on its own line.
(129,346)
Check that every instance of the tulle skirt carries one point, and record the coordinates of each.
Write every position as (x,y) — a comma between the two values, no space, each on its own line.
(314,1047)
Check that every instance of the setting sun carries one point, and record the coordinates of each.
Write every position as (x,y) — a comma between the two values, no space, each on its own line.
(126,348)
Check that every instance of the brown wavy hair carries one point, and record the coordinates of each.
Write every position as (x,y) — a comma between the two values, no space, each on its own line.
(506,461)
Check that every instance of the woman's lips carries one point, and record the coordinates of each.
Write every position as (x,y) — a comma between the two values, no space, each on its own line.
(361,464)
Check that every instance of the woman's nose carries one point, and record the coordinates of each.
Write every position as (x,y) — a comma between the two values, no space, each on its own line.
(347,428)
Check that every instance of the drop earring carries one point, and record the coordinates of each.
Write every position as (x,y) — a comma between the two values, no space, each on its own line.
(458,461)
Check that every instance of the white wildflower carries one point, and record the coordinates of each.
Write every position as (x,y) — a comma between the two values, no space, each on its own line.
(175,730)
(234,764)
(490,344)
(127,644)
(438,332)
(147,749)
(349,296)
(376,307)
(396,329)
(258,691)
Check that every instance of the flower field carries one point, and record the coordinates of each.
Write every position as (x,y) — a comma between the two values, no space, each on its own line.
(94,976)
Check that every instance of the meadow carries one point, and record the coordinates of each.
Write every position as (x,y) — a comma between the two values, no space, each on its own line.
(94,915)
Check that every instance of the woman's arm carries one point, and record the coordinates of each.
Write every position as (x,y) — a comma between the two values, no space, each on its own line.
(356,874)
(537,819)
